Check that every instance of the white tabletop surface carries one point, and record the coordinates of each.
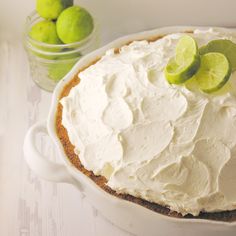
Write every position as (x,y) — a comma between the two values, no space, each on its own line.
(30,206)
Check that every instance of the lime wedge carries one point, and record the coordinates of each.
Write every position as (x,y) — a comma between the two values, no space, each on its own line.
(214,72)
(225,46)
(185,63)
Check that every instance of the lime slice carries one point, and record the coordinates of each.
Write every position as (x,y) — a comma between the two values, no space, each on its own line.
(186,61)
(214,72)
(225,46)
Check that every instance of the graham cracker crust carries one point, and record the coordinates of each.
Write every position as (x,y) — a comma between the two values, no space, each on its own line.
(226,216)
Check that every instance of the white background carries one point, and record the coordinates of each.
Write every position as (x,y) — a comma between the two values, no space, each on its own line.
(30,206)
(125,16)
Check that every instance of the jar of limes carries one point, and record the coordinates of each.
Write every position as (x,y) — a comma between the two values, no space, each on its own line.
(56,36)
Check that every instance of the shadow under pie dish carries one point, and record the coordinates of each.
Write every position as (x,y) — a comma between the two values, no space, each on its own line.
(159,134)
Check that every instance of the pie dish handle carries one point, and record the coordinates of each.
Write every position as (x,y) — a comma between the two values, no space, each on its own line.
(44,168)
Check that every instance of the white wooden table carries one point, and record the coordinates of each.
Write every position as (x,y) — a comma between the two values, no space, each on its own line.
(30,206)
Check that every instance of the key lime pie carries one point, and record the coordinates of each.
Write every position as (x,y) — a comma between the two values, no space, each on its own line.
(154,122)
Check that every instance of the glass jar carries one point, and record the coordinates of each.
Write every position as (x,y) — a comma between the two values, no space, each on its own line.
(49,62)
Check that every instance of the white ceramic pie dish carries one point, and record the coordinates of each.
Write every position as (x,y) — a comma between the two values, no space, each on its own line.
(118,211)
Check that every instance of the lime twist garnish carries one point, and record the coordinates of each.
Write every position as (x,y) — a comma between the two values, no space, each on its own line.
(210,67)
(185,63)
(214,72)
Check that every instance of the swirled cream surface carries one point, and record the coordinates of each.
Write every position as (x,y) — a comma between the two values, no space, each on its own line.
(168,144)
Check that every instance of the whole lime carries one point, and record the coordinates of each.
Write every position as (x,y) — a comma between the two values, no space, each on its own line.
(62,65)
(45,31)
(51,9)
(57,71)
(74,24)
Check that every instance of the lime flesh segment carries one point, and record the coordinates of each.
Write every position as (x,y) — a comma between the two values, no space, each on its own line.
(186,61)
(225,46)
(214,72)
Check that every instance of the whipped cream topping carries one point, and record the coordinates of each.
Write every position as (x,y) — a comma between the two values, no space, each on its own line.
(168,144)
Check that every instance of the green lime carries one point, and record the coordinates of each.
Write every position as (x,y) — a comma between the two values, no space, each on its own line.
(74,24)
(63,65)
(225,46)
(214,72)
(51,9)
(45,31)
(186,61)
(58,71)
